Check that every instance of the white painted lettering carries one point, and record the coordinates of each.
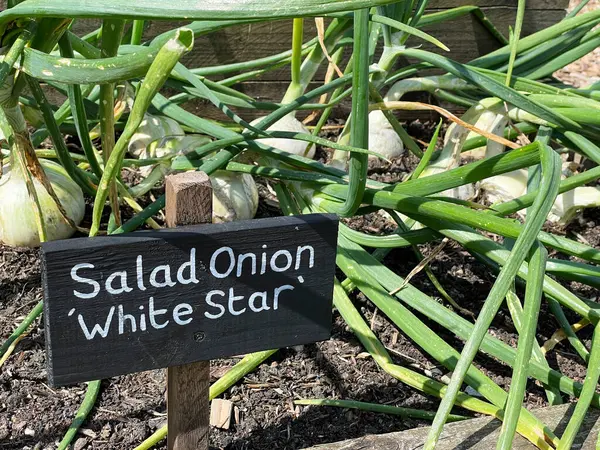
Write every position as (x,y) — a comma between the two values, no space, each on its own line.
(191,264)
(142,319)
(232,300)
(181,310)
(258,295)
(263,264)
(209,301)
(277,254)
(152,313)
(80,279)
(122,318)
(166,277)
(139,269)
(96,329)
(279,290)
(311,257)
(213,261)
(240,263)
(123,284)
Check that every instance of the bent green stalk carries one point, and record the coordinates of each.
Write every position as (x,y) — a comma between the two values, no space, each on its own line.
(515,308)
(137,32)
(501,55)
(514,39)
(79,114)
(57,139)
(493,87)
(540,209)
(444,210)
(112,32)
(432,343)
(375,407)
(29,319)
(453,322)
(165,61)
(89,400)
(564,323)
(383,359)
(532,429)
(531,308)
(182,10)
(295,89)
(589,389)
(360,111)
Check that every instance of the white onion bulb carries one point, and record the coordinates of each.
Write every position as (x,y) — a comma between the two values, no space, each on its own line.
(152,129)
(568,205)
(18,226)
(235,196)
(383,138)
(295,146)
(451,155)
(509,185)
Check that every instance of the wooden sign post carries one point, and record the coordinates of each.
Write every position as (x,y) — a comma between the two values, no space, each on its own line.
(188,202)
(179,297)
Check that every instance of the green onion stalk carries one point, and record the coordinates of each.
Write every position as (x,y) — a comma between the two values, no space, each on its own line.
(302,73)
(378,351)
(386,134)
(112,31)
(348,255)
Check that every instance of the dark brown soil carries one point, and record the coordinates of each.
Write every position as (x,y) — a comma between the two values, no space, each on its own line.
(130,408)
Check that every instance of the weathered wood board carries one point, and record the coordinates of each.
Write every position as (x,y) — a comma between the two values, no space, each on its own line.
(465,36)
(155,299)
(476,434)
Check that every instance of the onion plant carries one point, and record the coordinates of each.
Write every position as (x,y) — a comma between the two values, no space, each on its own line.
(114,80)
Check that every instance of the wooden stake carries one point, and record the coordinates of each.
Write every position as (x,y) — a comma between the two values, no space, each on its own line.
(188,202)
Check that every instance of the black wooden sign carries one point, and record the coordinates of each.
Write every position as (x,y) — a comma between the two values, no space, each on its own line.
(154,299)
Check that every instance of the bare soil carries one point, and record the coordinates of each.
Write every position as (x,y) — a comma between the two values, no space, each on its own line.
(130,408)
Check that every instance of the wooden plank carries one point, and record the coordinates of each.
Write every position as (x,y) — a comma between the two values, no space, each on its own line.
(465,36)
(188,199)
(188,409)
(446,4)
(188,202)
(153,299)
(476,434)
(531,4)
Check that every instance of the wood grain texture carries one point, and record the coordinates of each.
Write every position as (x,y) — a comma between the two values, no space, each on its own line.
(188,199)
(445,4)
(303,314)
(465,36)
(220,413)
(476,434)
(532,4)
(188,408)
(188,202)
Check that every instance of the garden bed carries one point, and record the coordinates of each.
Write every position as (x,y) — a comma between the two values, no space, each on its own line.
(130,408)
